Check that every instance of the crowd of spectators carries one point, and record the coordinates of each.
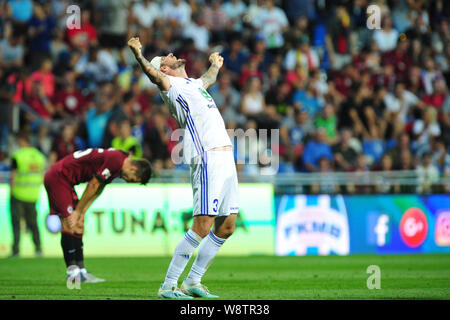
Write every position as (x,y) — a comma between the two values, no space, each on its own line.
(344,97)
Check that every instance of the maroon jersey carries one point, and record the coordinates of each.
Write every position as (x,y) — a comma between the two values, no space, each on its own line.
(81,166)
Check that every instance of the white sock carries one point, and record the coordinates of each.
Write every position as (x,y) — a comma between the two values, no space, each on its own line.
(206,253)
(181,256)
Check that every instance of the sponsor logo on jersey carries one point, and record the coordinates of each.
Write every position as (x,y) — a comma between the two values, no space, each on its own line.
(106,173)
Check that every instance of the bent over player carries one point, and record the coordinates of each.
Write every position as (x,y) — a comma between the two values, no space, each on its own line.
(98,167)
(208,149)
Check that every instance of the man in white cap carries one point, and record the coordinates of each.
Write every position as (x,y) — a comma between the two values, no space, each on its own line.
(208,149)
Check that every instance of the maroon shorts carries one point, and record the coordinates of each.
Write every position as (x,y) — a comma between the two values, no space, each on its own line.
(62,198)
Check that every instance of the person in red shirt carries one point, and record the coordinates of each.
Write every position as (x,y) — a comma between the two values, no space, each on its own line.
(39,102)
(84,36)
(69,101)
(437,98)
(44,76)
(98,167)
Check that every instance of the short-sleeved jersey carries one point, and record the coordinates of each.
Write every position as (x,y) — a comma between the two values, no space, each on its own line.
(81,166)
(196,112)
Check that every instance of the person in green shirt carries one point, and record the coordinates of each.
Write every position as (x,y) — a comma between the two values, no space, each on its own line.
(327,120)
(27,173)
(126,142)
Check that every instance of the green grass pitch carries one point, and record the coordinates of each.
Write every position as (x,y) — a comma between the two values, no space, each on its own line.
(238,278)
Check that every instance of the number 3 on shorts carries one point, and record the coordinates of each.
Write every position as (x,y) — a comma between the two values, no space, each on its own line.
(216,203)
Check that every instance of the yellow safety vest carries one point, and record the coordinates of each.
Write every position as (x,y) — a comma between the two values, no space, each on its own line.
(125,145)
(30,174)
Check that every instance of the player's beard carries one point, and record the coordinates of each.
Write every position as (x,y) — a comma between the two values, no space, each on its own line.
(180,63)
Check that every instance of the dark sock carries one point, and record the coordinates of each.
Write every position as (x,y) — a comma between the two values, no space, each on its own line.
(78,243)
(68,247)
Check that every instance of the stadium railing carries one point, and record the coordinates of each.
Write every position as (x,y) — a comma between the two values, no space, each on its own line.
(331,182)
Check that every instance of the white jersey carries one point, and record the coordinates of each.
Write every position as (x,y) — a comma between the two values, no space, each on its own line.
(197,113)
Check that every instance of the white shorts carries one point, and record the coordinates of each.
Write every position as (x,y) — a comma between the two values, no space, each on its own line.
(214,184)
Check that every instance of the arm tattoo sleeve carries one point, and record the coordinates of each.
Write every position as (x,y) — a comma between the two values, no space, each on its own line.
(210,76)
(154,75)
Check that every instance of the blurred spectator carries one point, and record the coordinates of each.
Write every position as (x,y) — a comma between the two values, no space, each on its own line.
(98,66)
(59,49)
(39,101)
(177,12)
(386,37)
(253,102)
(362,183)
(328,185)
(112,16)
(251,69)
(126,142)
(272,22)
(227,99)
(425,129)
(307,99)
(45,77)
(430,75)
(296,9)
(234,57)
(145,13)
(280,96)
(338,38)
(217,21)
(383,186)
(400,59)
(301,55)
(197,31)
(293,132)
(20,11)
(403,144)
(64,143)
(428,174)
(327,120)
(157,142)
(344,154)
(235,11)
(98,115)
(40,29)
(11,52)
(437,98)
(399,103)
(136,102)
(373,145)
(84,36)
(316,149)
(68,100)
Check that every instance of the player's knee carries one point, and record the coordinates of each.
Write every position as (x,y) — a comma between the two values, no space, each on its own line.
(201,231)
(202,226)
(225,231)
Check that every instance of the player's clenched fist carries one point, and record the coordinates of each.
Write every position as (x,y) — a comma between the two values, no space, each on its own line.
(216,59)
(135,45)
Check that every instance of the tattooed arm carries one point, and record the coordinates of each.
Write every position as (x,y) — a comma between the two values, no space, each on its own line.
(155,76)
(210,76)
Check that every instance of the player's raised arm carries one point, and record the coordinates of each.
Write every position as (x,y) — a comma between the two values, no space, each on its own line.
(210,76)
(155,76)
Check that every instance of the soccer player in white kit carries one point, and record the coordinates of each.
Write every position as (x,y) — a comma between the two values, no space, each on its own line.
(208,148)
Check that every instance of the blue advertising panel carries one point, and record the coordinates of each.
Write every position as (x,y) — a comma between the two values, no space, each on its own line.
(327,224)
